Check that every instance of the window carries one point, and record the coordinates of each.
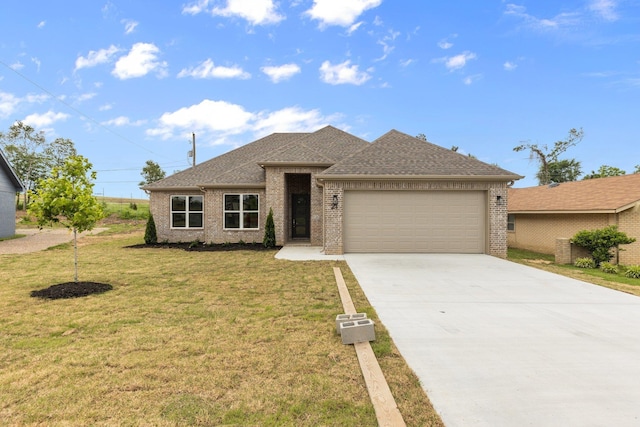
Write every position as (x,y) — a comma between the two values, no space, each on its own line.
(241,211)
(186,211)
(511,222)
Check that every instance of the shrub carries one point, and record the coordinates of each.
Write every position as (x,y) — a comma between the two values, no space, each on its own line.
(633,271)
(133,206)
(269,240)
(150,236)
(600,242)
(585,263)
(607,267)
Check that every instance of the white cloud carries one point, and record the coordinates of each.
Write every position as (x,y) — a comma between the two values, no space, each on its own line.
(606,9)
(105,107)
(281,72)
(129,25)
(257,12)
(37,62)
(406,62)
(208,70)
(140,61)
(290,119)
(352,29)
(565,19)
(343,73)
(340,12)
(218,117)
(86,97)
(41,24)
(444,44)
(17,66)
(510,66)
(8,104)
(123,121)
(458,61)
(217,121)
(96,57)
(41,120)
(468,80)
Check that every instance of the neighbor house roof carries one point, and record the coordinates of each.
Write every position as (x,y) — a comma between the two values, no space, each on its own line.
(401,156)
(8,170)
(244,166)
(602,195)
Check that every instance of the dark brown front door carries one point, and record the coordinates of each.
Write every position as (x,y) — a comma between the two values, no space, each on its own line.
(300,215)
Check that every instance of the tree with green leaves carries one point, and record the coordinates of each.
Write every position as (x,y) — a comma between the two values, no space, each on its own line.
(269,240)
(151,172)
(605,171)
(552,169)
(66,197)
(31,156)
(637,169)
(600,242)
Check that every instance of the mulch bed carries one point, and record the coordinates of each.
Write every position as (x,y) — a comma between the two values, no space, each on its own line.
(204,247)
(71,290)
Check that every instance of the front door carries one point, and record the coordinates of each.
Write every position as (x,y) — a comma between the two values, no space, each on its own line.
(300,216)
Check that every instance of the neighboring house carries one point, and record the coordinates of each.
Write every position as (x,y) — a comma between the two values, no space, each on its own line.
(9,185)
(540,215)
(332,189)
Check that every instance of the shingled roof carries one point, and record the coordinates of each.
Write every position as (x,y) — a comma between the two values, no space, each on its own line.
(602,195)
(13,177)
(398,155)
(244,165)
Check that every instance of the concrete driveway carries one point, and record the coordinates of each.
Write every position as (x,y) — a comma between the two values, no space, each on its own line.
(496,343)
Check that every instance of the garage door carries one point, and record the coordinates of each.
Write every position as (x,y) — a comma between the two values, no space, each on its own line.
(414,221)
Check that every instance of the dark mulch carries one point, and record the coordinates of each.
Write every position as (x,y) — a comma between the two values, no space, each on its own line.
(71,290)
(205,247)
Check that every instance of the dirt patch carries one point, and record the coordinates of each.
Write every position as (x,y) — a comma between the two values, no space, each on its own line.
(71,290)
(204,247)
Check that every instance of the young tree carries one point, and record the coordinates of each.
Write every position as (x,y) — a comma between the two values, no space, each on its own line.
(269,240)
(151,172)
(604,171)
(547,156)
(561,171)
(66,197)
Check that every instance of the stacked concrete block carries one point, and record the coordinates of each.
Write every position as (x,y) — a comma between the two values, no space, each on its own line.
(341,318)
(357,331)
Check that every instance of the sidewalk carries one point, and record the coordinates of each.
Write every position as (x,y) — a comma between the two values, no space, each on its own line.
(38,240)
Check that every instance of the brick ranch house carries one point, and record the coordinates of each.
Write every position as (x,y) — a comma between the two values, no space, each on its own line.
(9,185)
(332,189)
(540,215)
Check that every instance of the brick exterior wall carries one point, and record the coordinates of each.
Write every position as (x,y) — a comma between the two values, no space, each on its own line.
(496,216)
(539,232)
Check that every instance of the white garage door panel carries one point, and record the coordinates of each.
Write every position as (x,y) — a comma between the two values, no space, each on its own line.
(413,221)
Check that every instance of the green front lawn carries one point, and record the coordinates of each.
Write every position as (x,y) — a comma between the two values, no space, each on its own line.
(187,338)
(591,275)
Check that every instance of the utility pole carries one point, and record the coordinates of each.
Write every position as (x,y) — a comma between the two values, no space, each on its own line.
(193,138)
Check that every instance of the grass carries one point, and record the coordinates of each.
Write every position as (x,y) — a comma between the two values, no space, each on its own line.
(592,275)
(189,339)
(15,236)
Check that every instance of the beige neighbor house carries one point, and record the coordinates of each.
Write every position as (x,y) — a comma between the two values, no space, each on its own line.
(9,185)
(332,189)
(540,215)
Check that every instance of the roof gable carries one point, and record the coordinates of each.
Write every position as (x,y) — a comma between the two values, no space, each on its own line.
(243,165)
(11,174)
(401,155)
(612,194)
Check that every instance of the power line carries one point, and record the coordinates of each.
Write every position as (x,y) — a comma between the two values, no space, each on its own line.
(91,119)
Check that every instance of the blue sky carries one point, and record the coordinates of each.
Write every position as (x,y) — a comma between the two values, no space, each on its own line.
(129,81)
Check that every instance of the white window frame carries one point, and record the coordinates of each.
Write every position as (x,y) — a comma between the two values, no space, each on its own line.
(186,212)
(240,211)
(512,223)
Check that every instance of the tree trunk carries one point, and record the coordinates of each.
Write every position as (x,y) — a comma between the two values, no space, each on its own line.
(75,254)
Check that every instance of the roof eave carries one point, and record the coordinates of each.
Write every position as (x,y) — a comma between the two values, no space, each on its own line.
(564,211)
(173,188)
(234,185)
(19,186)
(357,177)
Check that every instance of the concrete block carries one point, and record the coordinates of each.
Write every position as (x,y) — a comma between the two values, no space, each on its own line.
(341,318)
(357,331)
